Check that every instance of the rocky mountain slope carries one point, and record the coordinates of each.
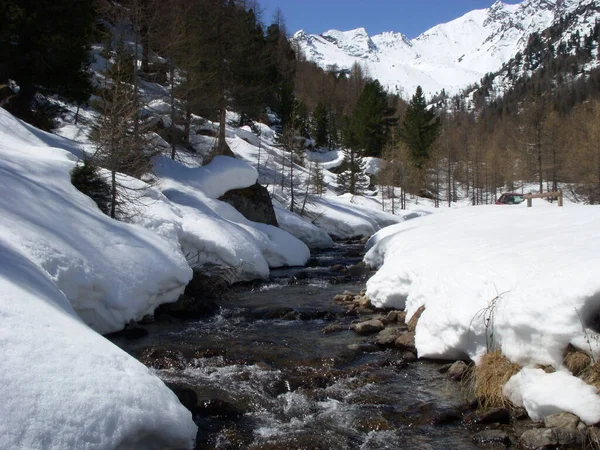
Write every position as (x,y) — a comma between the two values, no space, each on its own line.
(452,55)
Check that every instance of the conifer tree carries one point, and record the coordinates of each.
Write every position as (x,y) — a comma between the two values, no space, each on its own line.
(352,178)
(44,44)
(368,119)
(320,125)
(419,130)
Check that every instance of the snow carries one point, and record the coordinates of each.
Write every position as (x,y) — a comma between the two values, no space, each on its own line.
(543,394)
(313,236)
(61,261)
(351,216)
(103,266)
(457,263)
(213,232)
(522,280)
(477,43)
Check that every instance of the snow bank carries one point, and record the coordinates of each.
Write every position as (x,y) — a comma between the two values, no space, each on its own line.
(328,160)
(111,272)
(543,394)
(523,280)
(350,216)
(311,235)
(63,385)
(531,271)
(213,232)
(221,175)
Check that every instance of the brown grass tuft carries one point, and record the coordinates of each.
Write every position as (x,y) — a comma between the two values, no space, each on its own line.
(591,375)
(490,376)
(577,361)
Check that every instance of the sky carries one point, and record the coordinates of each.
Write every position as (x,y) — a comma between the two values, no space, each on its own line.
(410,17)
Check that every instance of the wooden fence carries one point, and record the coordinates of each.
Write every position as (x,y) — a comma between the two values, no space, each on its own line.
(557,194)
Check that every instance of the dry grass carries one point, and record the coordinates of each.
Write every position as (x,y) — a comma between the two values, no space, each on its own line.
(576,361)
(490,376)
(591,375)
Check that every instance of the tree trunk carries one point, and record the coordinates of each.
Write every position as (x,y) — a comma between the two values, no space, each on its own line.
(113,194)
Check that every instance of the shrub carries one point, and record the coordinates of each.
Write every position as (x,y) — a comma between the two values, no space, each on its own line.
(87,179)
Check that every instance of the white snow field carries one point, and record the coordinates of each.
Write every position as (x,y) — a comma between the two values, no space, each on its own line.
(63,263)
(523,280)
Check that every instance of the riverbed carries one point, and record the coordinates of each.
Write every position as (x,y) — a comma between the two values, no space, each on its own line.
(261,373)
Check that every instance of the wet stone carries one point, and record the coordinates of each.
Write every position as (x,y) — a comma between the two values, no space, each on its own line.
(186,396)
(494,415)
(562,420)
(445,368)
(363,347)
(446,416)
(408,356)
(406,341)
(387,337)
(391,317)
(333,328)
(337,268)
(487,437)
(367,327)
(458,370)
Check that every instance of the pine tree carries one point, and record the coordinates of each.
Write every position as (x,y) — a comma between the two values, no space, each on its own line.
(44,44)
(352,178)
(368,119)
(419,130)
(320,125)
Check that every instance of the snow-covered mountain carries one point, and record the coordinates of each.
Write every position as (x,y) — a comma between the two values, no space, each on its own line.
(449,56)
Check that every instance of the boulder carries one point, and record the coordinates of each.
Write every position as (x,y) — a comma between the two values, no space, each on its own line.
(253,202)
(494,415)
(562,420)
(406,341)
(368,327)
(387,337)
(458,370)
(551,438)
(492,437)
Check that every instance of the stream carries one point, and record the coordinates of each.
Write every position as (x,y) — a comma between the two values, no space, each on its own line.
(262,374)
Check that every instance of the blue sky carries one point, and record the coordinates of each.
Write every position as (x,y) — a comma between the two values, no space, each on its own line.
(410,17)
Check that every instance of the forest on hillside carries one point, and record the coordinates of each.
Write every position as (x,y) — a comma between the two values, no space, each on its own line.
(214,56)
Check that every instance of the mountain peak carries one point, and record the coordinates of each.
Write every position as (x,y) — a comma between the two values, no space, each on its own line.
(449,56)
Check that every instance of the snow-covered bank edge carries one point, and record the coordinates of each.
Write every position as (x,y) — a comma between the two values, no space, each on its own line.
(523,281)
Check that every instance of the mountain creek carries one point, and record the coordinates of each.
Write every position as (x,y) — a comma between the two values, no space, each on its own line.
(276,366)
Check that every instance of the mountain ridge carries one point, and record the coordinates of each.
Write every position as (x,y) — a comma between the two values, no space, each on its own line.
(449,56)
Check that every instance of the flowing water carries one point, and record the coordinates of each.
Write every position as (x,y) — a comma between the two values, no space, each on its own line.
(267,377)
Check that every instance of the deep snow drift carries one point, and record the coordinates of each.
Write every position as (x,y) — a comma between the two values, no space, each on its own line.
(62,384)
(523,280)
(110,271)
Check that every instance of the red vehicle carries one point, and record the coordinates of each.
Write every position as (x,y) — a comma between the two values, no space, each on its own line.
(510,198)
